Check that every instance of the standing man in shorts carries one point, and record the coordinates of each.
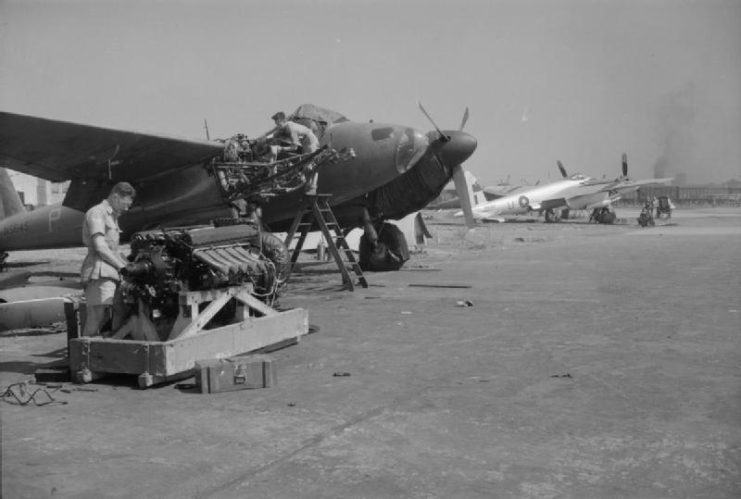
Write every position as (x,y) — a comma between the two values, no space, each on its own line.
(100,273)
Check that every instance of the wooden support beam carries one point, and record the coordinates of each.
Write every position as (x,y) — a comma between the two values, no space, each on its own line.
(255,304)
(202,319)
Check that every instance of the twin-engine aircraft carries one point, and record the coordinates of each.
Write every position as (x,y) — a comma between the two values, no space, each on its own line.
(573,192)
(384,170)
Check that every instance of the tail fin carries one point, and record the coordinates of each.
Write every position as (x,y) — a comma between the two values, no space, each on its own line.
(475,192)
(10,203)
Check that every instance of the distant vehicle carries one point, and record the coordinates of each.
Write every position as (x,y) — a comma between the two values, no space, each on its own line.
(664,206)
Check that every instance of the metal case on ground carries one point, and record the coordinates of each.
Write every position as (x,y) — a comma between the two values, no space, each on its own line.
(239,373)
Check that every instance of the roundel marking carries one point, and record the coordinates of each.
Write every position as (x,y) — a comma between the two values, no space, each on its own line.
(524,201)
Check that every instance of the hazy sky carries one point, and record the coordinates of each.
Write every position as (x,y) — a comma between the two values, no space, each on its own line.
(575,80)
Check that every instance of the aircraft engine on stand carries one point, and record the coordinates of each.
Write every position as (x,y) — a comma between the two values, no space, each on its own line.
(166,262)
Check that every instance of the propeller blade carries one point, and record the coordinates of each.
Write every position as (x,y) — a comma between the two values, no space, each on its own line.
(443,137)
(464,195)
(465,119)
(563,170)
(454,149)
(625,165)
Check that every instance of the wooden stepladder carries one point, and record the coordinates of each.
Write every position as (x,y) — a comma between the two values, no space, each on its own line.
(317,210)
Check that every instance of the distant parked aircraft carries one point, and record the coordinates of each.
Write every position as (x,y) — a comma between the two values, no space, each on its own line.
(574,192)
(448,198)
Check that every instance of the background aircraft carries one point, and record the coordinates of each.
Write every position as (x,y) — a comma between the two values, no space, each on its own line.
(575,192)
(394,170)
(448,198)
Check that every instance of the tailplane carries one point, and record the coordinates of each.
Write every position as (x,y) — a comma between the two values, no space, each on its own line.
(10,202)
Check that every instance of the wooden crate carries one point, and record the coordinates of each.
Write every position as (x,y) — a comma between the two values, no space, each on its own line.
(160,361)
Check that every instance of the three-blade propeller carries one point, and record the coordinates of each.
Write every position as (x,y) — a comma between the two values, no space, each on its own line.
(624,169)
(442,137)
(452,148)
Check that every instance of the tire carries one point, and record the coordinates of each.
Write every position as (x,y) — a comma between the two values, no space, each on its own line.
(390,253)
(551,216)
(607,218)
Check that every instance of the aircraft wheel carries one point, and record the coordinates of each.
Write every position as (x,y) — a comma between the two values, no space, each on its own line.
(607,218)
(390,253)
(550,216)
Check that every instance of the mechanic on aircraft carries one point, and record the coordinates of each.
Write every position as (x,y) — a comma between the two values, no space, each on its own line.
(103,264)
(298,135)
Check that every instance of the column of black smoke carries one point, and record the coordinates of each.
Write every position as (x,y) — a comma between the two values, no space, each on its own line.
(676,118)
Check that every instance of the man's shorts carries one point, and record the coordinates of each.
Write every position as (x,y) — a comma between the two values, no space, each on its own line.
(100,292)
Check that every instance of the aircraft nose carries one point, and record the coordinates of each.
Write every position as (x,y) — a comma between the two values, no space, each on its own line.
(458,148)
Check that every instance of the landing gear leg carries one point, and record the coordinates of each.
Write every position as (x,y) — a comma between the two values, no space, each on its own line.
(369,229)
(551,217)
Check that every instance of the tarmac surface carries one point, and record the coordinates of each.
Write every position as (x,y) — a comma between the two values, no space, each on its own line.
(595,361)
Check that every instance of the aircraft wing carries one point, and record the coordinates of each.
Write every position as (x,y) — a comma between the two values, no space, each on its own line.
(635,184)
(549,204)
(58,150)
(498,191)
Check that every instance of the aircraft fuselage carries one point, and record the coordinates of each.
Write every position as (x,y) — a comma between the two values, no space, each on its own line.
(391,157)
(524,201)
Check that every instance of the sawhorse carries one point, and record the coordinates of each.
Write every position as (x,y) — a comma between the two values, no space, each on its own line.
(317,208)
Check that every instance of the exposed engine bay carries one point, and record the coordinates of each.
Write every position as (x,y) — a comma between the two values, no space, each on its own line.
(254,169)
(250,171)
(165,263)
